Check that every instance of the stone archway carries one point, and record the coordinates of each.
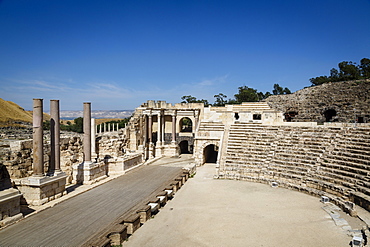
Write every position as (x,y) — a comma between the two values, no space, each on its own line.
(186,125)
(210,153)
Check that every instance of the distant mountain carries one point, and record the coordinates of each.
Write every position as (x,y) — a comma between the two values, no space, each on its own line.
(69,115)
(11,113)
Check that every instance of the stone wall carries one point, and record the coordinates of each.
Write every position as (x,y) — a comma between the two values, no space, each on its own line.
(349,100)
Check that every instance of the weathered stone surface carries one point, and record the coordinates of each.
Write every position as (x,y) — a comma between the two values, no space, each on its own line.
(350,100)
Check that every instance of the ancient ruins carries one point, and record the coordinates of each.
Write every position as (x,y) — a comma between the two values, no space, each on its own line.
(294,141)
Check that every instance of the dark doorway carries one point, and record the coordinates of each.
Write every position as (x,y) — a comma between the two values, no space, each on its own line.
(184,147)
(210,154)
(290,115)
(360,120)
(329,114)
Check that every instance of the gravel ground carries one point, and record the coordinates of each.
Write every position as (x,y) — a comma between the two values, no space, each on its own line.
(210,212)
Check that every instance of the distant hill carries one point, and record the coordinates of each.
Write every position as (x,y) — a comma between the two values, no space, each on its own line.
(11,113)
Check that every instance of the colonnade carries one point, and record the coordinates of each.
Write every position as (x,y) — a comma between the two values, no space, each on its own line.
(107,127)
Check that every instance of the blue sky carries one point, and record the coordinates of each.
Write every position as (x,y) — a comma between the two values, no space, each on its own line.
(118,54)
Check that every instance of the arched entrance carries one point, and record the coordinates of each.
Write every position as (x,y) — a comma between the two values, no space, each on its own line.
(210,154)
(186,125)
(184,147)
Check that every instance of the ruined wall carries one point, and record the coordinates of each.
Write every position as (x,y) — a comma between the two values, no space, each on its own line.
(350,100)
(17,156)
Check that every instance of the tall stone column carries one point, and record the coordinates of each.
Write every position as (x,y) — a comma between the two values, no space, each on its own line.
(93,137)
(150,128)
(105,127)
(55,136)
(174,128)
(163,128)
(145,136)
(150,135)
(38,145)
(159,132)
(87,132)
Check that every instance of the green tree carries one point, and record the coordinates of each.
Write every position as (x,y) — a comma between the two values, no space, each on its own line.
(348,71)
(220,99)
(365,67)
(246,94)
(78,126)
(192,99)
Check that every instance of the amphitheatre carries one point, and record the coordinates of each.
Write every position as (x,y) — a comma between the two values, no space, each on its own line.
(291,170)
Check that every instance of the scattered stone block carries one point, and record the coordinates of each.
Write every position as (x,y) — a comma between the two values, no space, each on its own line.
(145,214)
(132,222)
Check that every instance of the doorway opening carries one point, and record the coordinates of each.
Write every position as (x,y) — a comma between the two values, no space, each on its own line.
(210,154)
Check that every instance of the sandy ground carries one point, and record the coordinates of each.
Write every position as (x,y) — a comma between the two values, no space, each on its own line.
(209,212)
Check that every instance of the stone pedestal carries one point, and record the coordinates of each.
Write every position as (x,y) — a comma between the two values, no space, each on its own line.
(158,151)
(40,190)
(89,172)
(171,150)
(10,210)
(151,151)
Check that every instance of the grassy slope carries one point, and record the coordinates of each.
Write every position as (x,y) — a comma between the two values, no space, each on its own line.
(10,112)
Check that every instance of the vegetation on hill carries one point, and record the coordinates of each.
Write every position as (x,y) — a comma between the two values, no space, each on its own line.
(245,94)
(347,71)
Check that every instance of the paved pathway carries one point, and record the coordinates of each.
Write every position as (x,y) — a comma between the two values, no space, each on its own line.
(74,221)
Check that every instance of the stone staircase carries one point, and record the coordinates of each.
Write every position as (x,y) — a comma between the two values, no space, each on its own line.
(331,161)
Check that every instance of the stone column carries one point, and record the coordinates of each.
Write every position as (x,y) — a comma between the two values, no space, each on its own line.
(196,116)
(38,154)
(87,132)
(145,136)
(117,126)
(55,136)
(108,127)
(150,131)
(105,127)
(159,132)
(163,128)
(93,138)
(174,128)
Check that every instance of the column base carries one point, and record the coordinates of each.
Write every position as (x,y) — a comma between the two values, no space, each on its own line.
(40,190)
(151,151)
(89,172)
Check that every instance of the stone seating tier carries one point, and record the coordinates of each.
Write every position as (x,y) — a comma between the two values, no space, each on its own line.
(315,160)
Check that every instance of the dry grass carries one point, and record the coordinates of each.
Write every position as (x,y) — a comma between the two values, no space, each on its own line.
(11,112)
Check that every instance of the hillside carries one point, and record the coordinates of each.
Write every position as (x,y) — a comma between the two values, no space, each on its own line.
(345,102)
(10,113)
